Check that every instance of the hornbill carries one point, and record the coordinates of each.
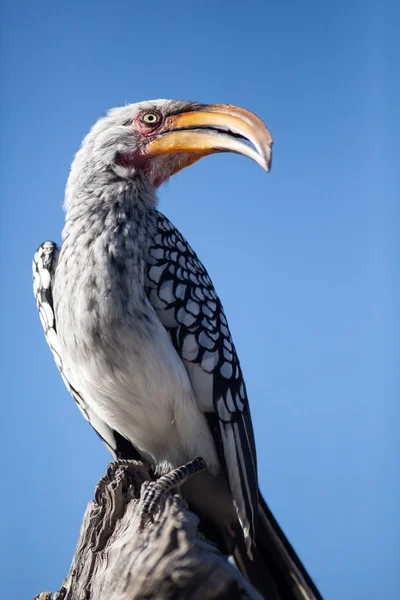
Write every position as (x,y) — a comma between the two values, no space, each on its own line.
(139,333)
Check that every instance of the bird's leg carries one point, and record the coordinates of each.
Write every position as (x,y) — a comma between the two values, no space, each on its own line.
(155,490)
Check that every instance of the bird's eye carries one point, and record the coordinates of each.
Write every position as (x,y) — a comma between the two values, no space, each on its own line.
(151,118)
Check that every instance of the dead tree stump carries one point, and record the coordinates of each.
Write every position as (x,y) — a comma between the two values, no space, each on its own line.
(118,557)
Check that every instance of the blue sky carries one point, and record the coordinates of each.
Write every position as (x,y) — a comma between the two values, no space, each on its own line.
(304,259)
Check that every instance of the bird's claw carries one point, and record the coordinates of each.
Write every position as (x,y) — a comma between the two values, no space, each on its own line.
(154,491)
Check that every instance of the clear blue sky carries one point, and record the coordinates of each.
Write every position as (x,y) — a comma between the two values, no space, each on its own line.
(304,259)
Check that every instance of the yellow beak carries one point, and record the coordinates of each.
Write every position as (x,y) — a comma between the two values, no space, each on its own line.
(216,128)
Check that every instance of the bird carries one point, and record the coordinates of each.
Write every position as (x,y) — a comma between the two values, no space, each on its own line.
(139,333)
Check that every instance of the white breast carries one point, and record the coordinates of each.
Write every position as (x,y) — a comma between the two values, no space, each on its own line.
(139,386)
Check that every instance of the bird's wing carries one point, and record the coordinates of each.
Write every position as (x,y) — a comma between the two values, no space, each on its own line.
(44,266)
(183,296)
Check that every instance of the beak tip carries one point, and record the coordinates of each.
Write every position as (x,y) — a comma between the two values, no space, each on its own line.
(268,160)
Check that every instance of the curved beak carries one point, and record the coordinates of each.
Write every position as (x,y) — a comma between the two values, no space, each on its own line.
(214,128)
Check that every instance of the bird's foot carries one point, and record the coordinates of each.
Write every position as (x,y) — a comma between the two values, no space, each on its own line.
(122,462)
(154,491)
(111,469)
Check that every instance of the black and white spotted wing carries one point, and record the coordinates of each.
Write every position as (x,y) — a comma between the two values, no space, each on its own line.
(44,266)
(180,290)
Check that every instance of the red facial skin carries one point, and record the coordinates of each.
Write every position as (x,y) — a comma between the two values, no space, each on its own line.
(144,128)
(139,158)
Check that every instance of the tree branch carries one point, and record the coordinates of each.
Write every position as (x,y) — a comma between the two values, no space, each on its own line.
(121,557)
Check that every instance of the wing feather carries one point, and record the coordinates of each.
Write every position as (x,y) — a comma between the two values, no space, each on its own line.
(183,296)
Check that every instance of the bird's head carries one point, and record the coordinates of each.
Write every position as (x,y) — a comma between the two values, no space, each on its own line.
(161,137)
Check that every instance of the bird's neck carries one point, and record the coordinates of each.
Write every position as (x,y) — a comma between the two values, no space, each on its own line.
(109,223)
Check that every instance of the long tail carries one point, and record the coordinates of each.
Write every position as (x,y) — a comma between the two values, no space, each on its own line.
(276,571)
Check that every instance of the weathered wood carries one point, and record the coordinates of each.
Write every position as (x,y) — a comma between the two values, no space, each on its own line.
(120,558)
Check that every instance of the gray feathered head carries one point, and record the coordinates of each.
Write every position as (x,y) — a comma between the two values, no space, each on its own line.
(161,137)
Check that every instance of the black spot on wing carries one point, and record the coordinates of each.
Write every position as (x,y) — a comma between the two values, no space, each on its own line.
(184,298)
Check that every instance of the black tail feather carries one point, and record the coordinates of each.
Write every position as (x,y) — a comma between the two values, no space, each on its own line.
(276,571)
